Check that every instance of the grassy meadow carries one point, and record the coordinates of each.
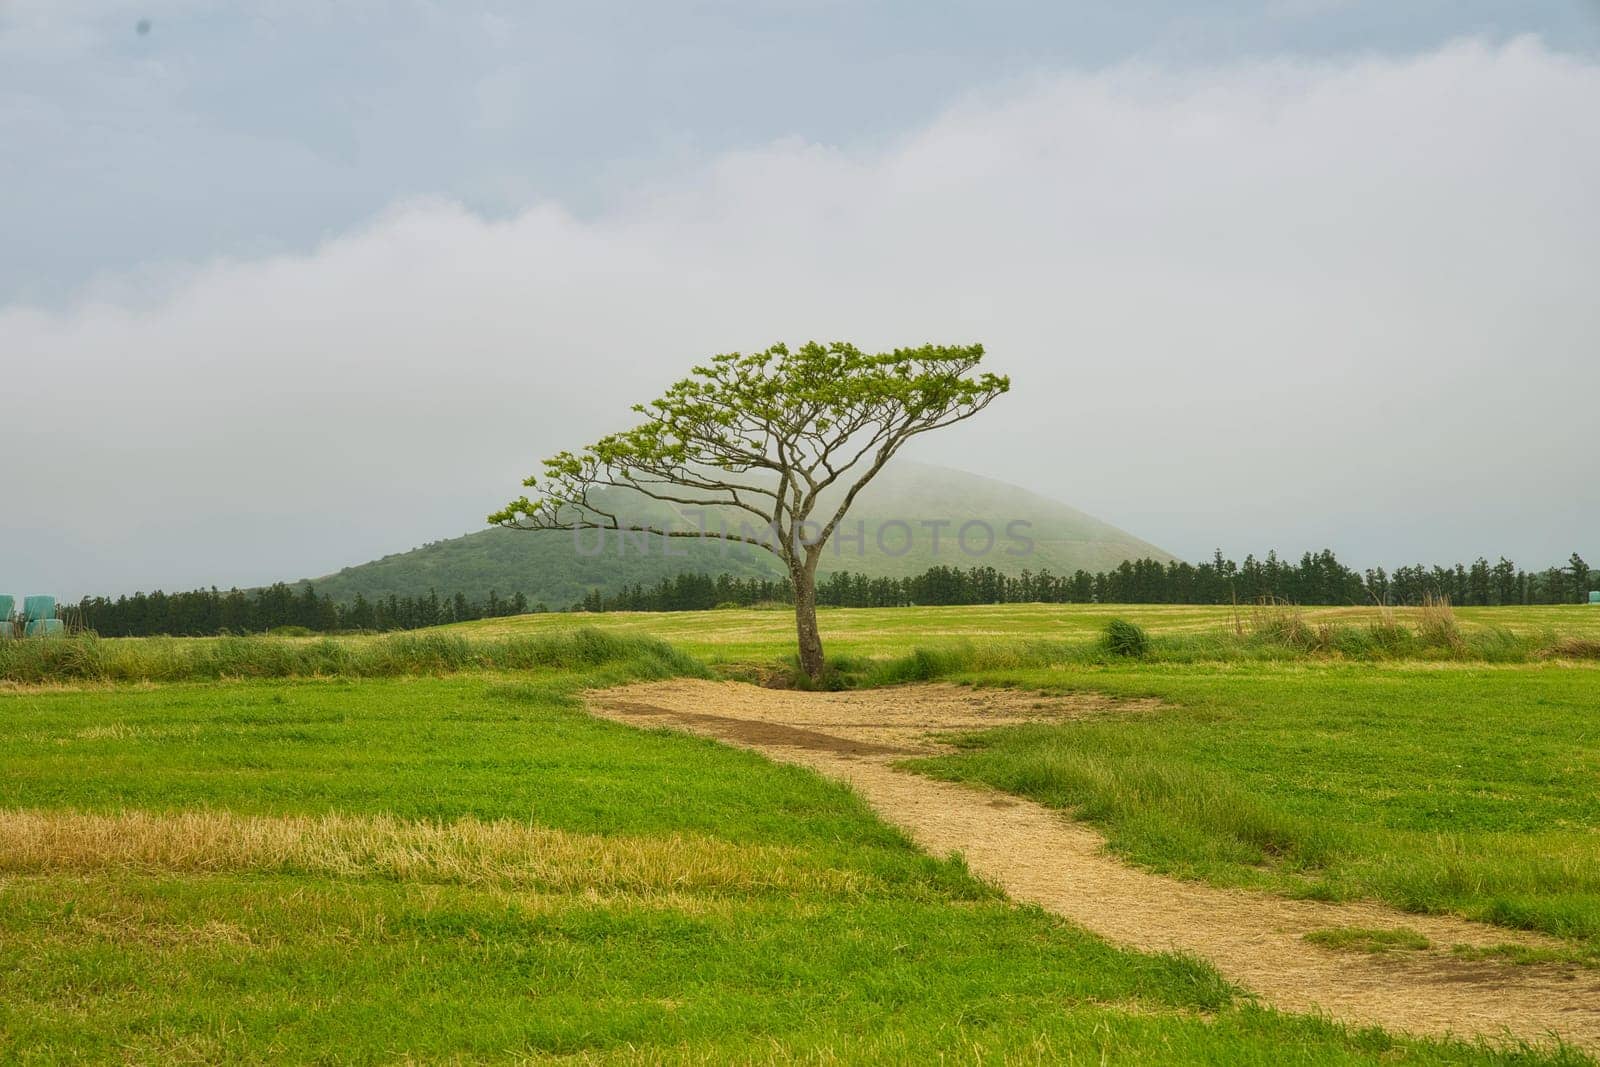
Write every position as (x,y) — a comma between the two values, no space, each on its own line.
(419,847)
(742,636)
(1472,789)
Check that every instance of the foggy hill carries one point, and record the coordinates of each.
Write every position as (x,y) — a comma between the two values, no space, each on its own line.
(890,532)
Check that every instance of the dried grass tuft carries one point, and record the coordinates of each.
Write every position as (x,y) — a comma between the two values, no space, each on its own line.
(1437,625)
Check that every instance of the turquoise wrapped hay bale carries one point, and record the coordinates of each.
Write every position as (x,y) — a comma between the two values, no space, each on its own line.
(8,605)
(1594,596)
(46,627)
(35,608)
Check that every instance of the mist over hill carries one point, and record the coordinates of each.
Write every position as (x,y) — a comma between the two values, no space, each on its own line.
(913,516)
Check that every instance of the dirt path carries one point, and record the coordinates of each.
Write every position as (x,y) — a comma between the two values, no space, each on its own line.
(1039,856)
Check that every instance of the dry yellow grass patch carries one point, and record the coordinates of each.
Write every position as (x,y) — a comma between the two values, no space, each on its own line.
(110,731)
(137,930)
(463,851)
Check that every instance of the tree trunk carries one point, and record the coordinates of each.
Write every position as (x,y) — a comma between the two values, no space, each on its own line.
(804,578)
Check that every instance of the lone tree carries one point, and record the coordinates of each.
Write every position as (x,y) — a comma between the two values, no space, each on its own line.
(763,436)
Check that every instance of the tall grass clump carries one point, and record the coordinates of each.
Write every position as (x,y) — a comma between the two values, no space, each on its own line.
(87,658)
(1281,622)
(1279,628)
(1437,626)
(1573,648)
(1127,639)
(925,664)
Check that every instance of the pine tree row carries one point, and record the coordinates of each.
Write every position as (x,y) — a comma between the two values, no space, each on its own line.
(1317,579)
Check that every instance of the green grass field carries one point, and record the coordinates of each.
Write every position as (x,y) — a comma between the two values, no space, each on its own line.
(744,636)
(436,855)
(1466,789)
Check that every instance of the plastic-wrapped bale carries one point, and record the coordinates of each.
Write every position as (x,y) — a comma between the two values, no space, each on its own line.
(8,606)
(46,627)
(35,608)
(1594,596)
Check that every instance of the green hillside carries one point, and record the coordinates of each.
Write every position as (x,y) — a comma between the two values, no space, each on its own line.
(892,514)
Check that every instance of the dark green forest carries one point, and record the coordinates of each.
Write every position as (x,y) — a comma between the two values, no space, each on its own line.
(1315,579)
(207,612)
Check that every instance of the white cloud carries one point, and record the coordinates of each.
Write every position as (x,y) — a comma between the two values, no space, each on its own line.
(1283,304)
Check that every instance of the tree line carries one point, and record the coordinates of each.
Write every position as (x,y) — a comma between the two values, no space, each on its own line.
(206,612)
(1317,578)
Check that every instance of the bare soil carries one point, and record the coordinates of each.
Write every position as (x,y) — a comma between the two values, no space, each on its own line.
(1040,856)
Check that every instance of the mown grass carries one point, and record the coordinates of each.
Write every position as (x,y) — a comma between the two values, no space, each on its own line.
(1437,788)
(290,970)
(419,848)
(471,868)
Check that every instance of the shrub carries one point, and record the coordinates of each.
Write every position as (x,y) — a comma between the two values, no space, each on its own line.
(1124,638)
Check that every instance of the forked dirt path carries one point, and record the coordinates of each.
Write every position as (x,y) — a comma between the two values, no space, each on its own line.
(1039,856)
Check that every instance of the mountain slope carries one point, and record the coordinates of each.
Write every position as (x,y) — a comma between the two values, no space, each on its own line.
(891,531)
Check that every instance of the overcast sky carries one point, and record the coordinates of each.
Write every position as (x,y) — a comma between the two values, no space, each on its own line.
(285,287)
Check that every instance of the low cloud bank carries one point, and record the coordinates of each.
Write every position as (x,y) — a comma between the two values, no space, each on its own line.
(1284,304)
